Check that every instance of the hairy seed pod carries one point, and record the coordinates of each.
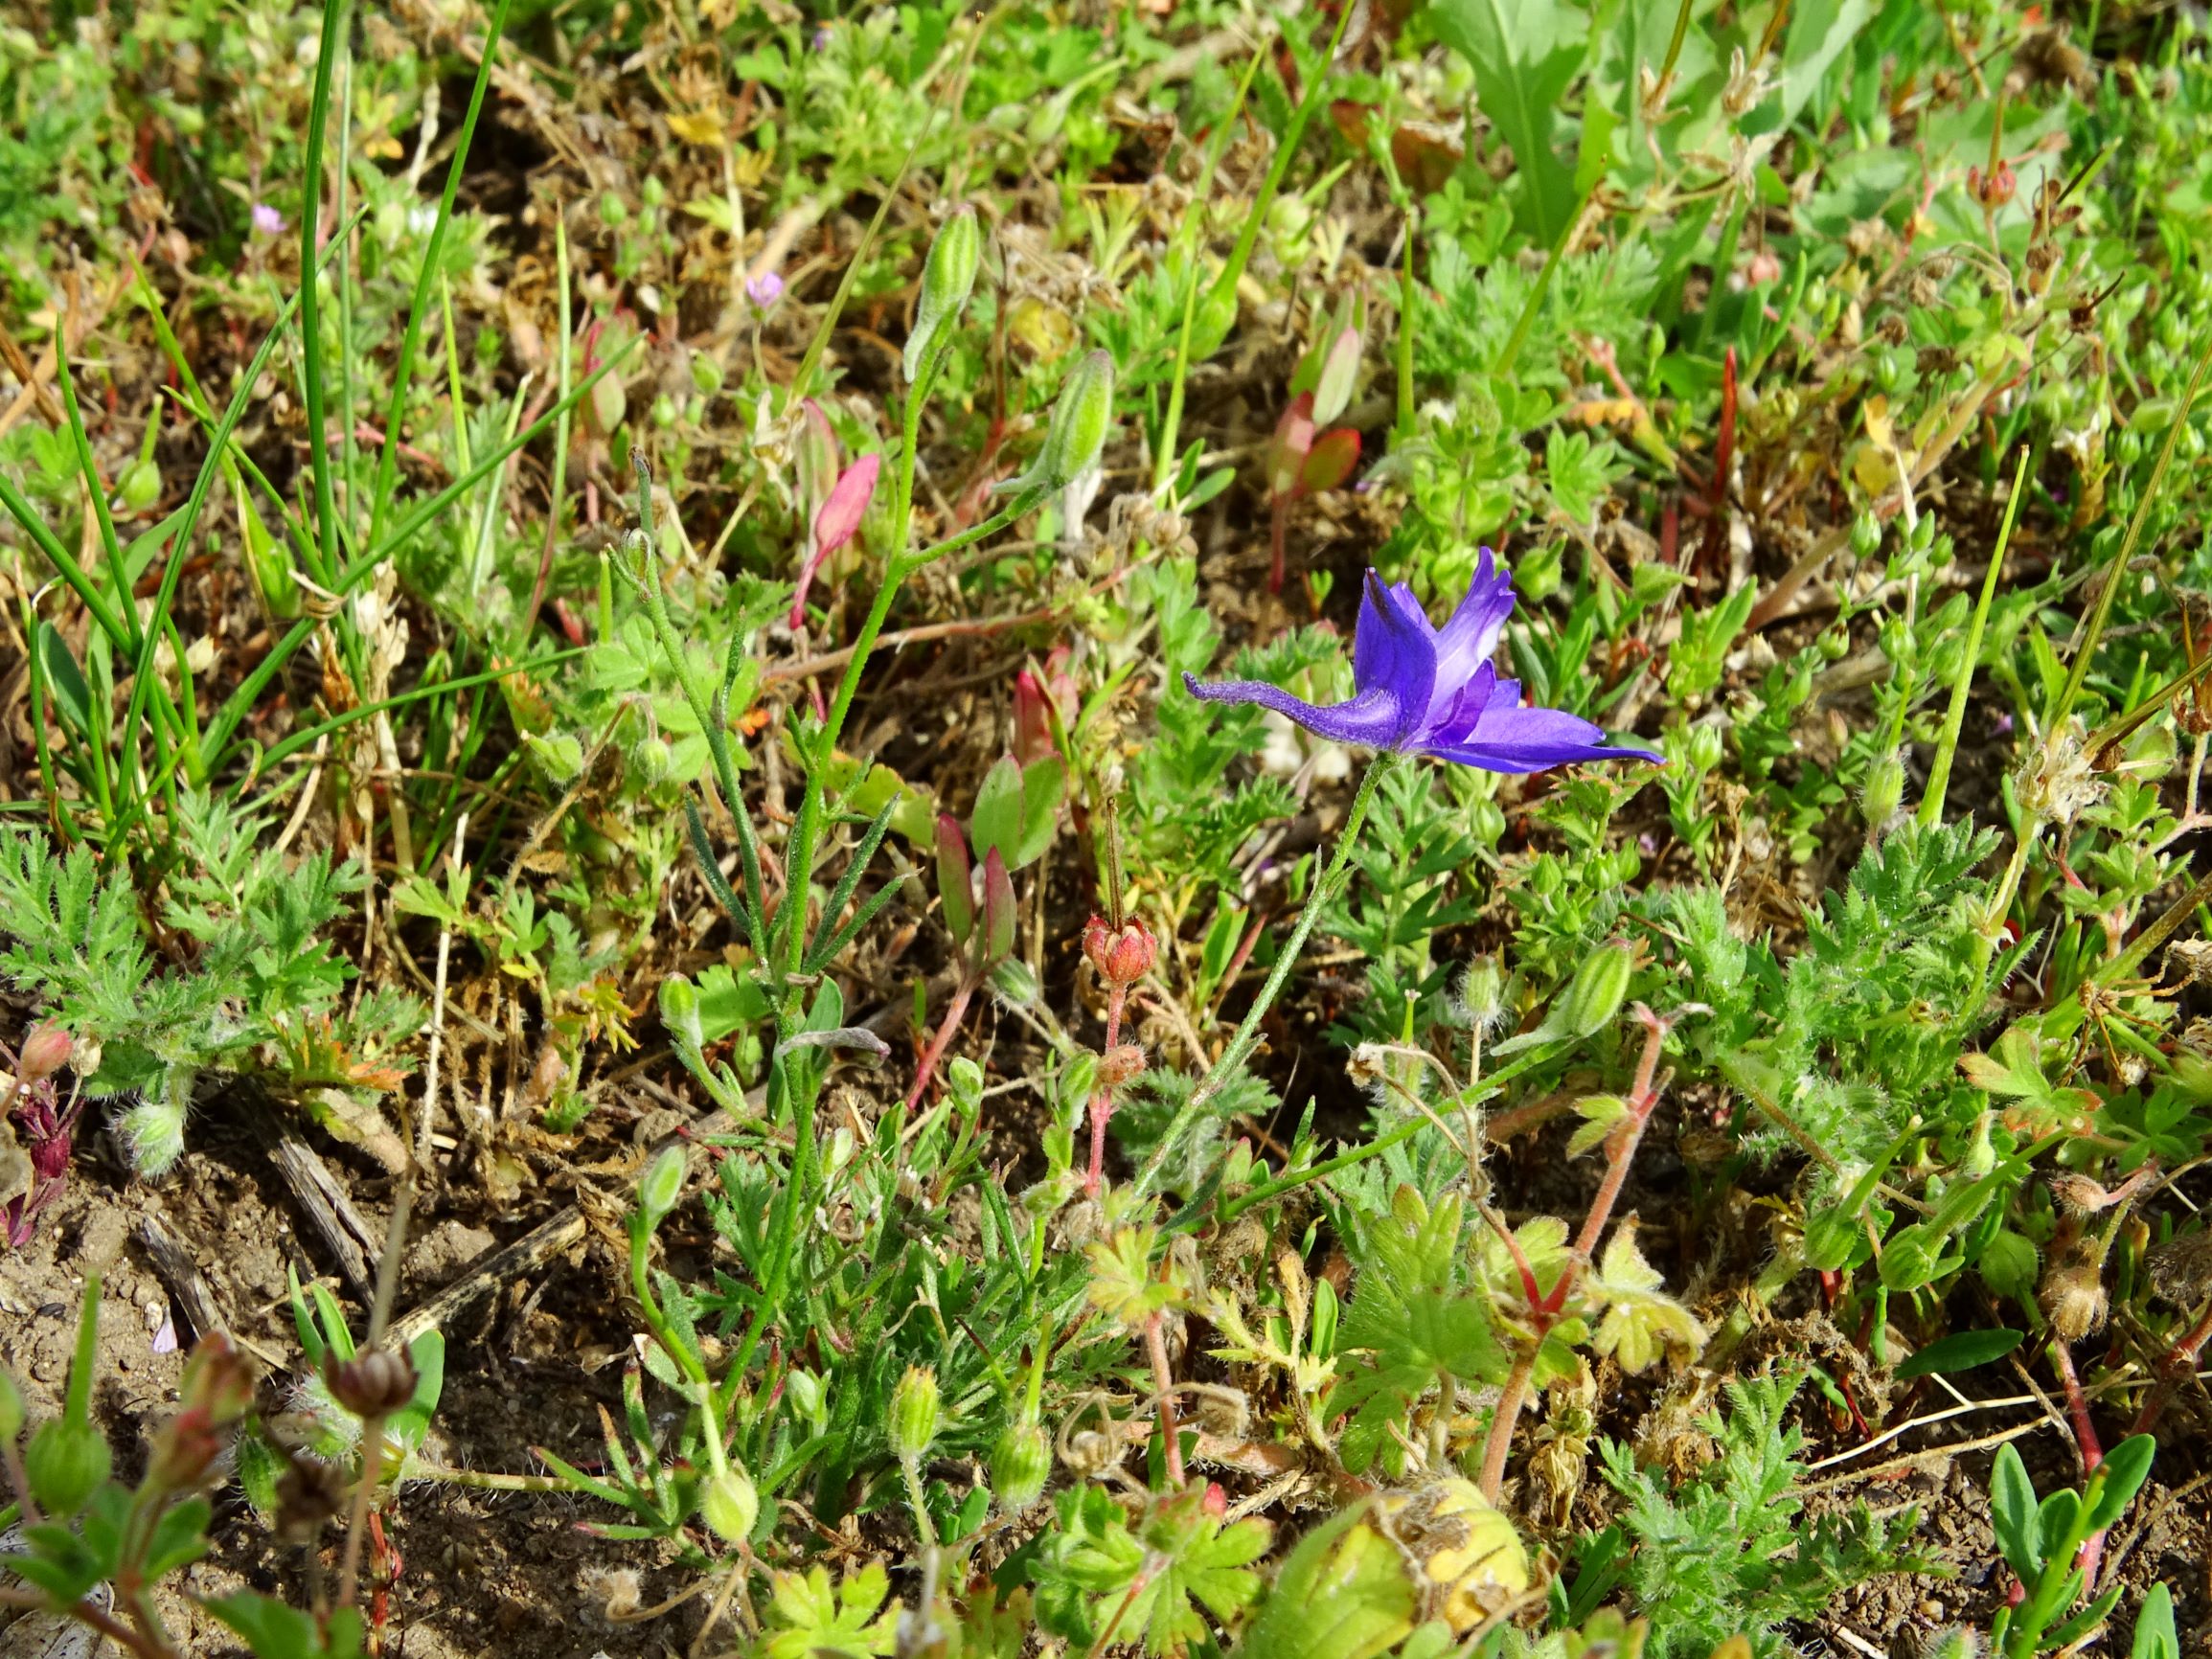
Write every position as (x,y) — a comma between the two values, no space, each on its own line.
(375,1383)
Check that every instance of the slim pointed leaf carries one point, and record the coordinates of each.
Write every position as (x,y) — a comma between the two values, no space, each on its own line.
(1043,784)
(997,907)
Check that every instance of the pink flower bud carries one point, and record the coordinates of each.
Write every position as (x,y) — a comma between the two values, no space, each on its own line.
(45,1052)
(1121,955)
(836,523)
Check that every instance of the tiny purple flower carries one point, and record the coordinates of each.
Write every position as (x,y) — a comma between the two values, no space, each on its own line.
(1430,691)
(267,221)
(764,289)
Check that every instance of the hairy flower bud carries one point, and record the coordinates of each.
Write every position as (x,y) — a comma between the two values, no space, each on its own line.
(1123,1063)
(2073,1299)
(375,1383)
(731,1506)
(1020,1464)
(1080,422)
(947,279)
(662,1187)
(2007,1265)
(65,1464)
(1121,955)
(152,1135)
(679,1010)
(914,1409)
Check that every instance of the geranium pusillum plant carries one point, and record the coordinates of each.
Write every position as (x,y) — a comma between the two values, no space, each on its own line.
(1419,690)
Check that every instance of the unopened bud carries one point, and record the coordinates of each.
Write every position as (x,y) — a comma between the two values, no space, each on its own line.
(373,1385)
(2007,1265)
(140,487)
(656,761)
(1706,747)
(730,1505)
(947,279)
(1020,1464)
(65,1464)
(915,1408)
(679,1010)
(45,1052)
(1121,955)
(1601,984)
(1080,422)
(217,1380)
(662,1187)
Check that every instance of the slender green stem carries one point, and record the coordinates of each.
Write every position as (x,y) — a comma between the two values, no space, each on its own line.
(1954,720)
(411,338)
(1248,237)
(322,547)
(1247,1035)
(2079,669)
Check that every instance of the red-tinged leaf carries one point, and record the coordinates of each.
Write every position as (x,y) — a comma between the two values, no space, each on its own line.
(998,908)
(955,884)
(1351,118)
(1330,462)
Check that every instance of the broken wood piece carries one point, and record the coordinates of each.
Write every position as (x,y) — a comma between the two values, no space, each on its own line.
(526,1255)
(329,1207)
(187,1284)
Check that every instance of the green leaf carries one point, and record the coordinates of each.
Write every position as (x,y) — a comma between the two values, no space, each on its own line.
(1043,784)
(2155,1636)
(1819,33)
(2014,1516)
(1961,1350)
(2118,1479)
(997,819)
(1525,54)
(1343,1594)
(180,1538)
(72,697)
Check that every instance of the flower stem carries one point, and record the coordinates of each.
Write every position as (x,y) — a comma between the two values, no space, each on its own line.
(1102,1104)
(1246,1037)
(1164,1387)
(1620,1152)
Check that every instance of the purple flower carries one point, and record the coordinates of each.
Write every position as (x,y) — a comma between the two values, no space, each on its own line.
(1430,691)
(764,289)
(267,221)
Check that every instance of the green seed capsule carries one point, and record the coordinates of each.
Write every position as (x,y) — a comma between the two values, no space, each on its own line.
(663,1185)
(947,279)
(1601,984)
(65,1464)
(1020,1464)
(730,1505)
(915,1408)
(679,1010)
(141,486)
(1080,422)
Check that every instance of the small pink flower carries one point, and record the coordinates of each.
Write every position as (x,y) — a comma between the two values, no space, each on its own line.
(267,221)
(838,523)
(764,289)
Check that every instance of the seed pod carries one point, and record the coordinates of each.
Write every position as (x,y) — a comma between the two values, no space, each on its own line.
(1020,1464)
(1600,986)
(1121,955)
(914,1409)
(141,486)
(1080,422)
(1123,1063)
(947,278)
(375,1383)
(2073,1299)
(730,1505)
(65,1464)
(309,1492)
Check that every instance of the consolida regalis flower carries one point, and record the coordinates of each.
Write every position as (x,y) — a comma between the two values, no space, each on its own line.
(1430,691)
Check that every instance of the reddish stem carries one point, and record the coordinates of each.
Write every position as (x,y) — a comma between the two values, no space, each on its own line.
(1164,1386)
(1101,1103)
(1620,1152)
(941,1041)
